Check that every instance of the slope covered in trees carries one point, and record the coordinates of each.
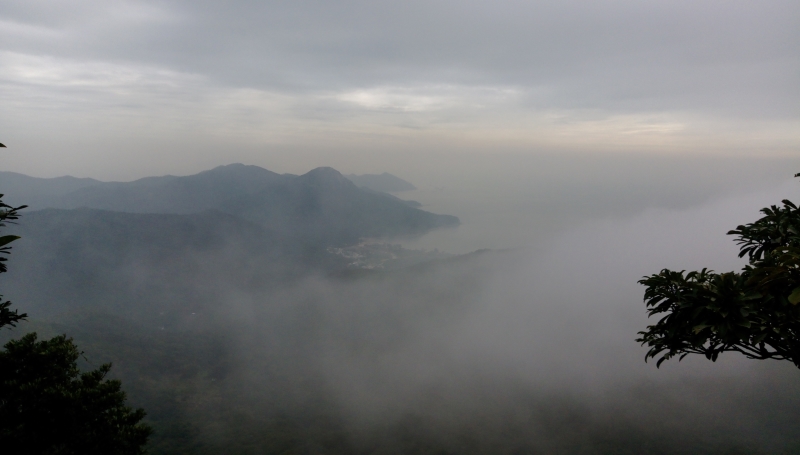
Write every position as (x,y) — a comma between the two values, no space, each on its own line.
(47,405)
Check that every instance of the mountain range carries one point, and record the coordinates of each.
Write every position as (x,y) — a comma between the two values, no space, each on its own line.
(320,206)
(149,247)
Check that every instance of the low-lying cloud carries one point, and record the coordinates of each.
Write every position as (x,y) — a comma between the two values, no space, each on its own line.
(520,350)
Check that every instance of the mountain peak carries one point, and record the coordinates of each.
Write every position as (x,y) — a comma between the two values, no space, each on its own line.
(238,168)
(326,176)
(385,182)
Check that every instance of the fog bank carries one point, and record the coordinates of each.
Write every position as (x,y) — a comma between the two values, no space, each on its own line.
(528,349)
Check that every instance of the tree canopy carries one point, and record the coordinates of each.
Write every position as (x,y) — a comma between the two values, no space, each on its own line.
(754,312)
(47,406)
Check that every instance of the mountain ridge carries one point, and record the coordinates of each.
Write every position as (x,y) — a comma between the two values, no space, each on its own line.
(322,205)
(385,182)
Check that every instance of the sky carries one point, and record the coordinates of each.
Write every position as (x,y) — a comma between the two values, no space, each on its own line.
(118,90)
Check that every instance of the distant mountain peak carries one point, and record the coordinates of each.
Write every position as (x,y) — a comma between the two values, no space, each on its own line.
(326,176)
(385,182)
(237,168)
(231,166)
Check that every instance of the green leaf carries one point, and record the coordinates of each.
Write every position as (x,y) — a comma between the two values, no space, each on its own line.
(794,297)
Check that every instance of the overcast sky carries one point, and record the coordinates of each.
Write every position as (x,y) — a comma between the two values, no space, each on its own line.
(123,89)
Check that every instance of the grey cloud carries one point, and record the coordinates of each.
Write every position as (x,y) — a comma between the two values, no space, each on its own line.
(611,55)
(88,85)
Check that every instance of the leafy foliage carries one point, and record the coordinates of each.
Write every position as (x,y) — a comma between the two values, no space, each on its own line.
(754,312)
(7,213)
(47,406)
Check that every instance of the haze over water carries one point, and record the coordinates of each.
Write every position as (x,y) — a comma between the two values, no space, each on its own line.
(521,201)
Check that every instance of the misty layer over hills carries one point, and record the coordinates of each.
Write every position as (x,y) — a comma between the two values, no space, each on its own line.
(147,240)
(240,332)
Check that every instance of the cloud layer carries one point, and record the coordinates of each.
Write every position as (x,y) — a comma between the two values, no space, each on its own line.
(179,76)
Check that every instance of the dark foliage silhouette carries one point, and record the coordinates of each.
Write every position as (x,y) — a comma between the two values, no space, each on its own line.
(47,406)
(7,214)
(754,312)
